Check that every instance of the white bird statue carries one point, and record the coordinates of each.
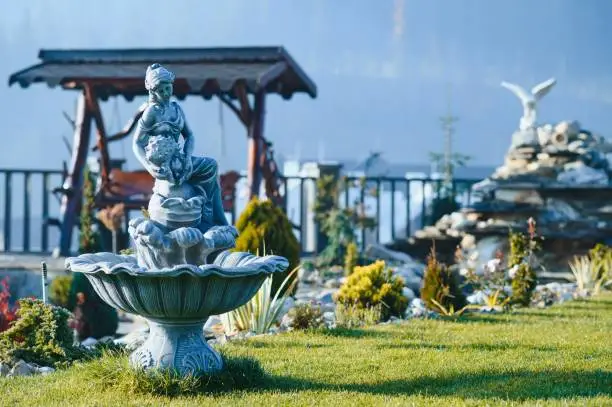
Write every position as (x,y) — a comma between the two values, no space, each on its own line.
(529,100)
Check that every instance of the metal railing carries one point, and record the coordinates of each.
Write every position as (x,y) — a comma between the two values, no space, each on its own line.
(25,180)
(398,205)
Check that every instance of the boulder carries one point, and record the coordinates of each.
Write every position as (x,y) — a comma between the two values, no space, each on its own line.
(22,368)
(380,252)
(4,369)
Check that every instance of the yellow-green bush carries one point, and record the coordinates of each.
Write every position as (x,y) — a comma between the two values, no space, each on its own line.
(441,287)
(265,229)
(351,258)
(59,290)
(373,285)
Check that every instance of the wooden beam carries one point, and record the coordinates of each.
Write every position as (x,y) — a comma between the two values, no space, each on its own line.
(94,107)
(255,133)
(228,102)
(127,129)
(72,186)
(243,97)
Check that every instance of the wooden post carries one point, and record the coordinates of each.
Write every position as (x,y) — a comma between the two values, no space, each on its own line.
(255,134)
(94,107)
(74,181)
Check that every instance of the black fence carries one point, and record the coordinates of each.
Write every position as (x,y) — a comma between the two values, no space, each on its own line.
(399,206)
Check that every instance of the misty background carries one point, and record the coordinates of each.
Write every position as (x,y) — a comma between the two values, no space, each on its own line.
(384,70)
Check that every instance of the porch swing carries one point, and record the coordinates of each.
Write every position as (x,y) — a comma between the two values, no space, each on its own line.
(240,77)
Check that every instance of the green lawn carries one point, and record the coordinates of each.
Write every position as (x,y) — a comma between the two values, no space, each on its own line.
(558,356)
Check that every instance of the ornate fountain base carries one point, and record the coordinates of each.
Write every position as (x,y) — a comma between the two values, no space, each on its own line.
(177,346)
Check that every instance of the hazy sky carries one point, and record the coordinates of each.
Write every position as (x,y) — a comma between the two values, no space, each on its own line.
(383,68)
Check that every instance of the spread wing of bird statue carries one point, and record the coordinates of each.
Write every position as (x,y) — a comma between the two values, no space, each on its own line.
(540,90)
(529,100)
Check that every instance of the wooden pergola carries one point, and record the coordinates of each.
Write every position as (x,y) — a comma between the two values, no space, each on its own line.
(240,77)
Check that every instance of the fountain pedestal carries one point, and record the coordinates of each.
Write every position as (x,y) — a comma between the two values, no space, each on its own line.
(177,346)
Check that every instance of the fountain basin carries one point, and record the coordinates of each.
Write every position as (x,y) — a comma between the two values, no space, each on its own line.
(177,301)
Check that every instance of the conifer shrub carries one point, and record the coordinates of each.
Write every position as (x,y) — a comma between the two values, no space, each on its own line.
(374,285)
(39,335)
(441,285)
(265,229)
(306,316)
(97,318)
(351,258)
(93,317)
(89,238)
(59,290)
(520,264)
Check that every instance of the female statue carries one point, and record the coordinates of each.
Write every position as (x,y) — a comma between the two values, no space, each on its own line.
(157,146)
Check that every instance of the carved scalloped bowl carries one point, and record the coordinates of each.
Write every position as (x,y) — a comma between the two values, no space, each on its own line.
(180,294)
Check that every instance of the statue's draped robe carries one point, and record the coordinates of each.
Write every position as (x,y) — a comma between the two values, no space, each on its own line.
(204,177)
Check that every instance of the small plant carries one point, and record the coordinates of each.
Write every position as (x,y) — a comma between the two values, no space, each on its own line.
(449,313)
(59,290)
(338,224)
(492,281)
(7,313)
(39,335)
(441,289)
(351,258)
(601,257)
(374,285)
(306,316)
(263,227)
(93,316)
(497,300)
(261,312)
(89,239)
(520,264)
(587,275)
(350,316)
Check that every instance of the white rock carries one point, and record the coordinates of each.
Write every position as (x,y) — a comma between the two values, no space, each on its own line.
(286,322)
(545,134)
(580,173)
(477,298)
(329,319)
(333,283)
(326,297)
(408,293)
(21,368)
(211,322)
(416,309)
(106,339)
(133,340)
(88,342)
(44,370)
(491,310)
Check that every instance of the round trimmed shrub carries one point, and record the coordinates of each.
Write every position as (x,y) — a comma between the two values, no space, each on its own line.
(265,229)
(372,285)
(59,290)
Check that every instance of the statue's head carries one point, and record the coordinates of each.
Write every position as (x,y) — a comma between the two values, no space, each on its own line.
(159,81)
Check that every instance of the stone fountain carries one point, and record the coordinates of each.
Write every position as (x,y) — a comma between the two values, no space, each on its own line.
(183,271)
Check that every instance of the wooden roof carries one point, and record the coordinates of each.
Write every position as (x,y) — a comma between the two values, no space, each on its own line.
(199,71)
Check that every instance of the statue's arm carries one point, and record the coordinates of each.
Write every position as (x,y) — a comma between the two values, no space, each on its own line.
(141,138)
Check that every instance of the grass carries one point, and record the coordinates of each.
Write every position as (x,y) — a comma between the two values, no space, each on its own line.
(557,356)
